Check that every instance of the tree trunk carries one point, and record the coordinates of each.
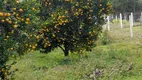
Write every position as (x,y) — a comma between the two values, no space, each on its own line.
(66,52)
(2,76)
(65,49)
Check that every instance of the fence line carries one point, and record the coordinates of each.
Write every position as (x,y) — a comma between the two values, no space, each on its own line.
(134,19)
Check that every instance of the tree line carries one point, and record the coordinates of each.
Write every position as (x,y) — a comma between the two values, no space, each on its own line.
(124,6)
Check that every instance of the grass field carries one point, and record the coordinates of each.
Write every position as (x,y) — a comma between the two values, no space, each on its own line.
(120,59)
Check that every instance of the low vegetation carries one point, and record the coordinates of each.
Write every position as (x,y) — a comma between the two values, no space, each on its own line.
(120,59)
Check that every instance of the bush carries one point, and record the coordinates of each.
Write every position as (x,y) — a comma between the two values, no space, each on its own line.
(118,21)
(125,21)
(104,39)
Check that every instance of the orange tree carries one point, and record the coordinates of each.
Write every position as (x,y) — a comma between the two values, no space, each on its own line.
(18,27)
(72,25)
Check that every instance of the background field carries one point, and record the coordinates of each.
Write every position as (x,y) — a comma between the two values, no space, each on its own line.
(116,57)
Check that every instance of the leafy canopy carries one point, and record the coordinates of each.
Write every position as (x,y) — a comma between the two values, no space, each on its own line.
(18,25)
(72,25)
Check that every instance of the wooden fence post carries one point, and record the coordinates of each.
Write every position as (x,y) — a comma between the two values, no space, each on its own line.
(108,23)
(131,25)
(121,24)
(132,19)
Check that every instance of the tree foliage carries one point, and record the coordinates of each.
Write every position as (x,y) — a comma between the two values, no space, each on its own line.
(72,25)
(18,25)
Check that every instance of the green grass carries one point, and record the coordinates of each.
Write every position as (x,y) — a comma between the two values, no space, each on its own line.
(114,58)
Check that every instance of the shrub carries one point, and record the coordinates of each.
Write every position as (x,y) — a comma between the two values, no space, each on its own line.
(118,21)
(104,39)
(125,21)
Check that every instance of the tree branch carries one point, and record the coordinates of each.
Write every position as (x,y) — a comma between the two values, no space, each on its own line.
(62,48)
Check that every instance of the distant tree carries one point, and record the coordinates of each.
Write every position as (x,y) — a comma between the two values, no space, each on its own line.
(72,25)
(124,6)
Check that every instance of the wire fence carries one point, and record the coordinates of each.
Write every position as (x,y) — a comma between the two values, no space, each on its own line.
(125,25)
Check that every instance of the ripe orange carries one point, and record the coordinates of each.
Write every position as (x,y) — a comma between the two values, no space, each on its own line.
(8,14)
(21,10)
(77,4)
(37,37)
(4,14)
(11,49)
(49,44)
(14,13)
(31,35)
(3,20)
(17,2)
(15,26)
(33,47)
(17,15)
(28,19)
(36,45)
(22,19)
(33,9)
(7,37)
(7,19)
(1,14)
(2,70)
(9,22)
(14,9)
